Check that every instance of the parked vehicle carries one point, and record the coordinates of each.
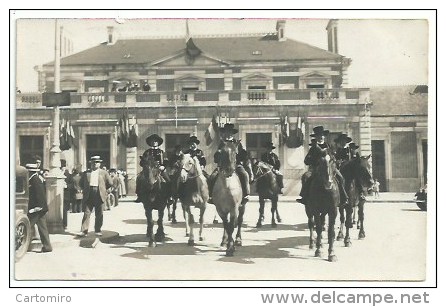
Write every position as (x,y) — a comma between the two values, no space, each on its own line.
(421,199)
(22,224)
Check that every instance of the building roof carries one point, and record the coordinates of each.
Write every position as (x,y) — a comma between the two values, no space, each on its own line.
(231,49)
(399,100)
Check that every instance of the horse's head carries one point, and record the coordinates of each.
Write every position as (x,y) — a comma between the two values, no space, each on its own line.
(150,169)
(325,170)
(228,155)
(259,168)
(363,174)
(189,167)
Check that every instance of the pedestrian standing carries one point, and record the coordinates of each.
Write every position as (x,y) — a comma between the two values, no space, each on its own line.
(78,196)
(376,188)
(94,183)
(37,206)
(115,186)
(67,193)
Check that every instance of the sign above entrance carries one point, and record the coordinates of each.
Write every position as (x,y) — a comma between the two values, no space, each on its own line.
(56,99)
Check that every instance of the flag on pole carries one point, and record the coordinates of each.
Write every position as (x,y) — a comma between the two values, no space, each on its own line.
(211,131)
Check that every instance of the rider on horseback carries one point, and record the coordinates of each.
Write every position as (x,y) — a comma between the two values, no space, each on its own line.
(194,151)
(316,152)
(343,151)
(354,154)
(273,160)
(154,141)
(227,135)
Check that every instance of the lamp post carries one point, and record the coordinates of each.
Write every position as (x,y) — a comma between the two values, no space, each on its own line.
(55,179)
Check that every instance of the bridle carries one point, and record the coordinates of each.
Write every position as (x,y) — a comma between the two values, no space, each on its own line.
(260,173)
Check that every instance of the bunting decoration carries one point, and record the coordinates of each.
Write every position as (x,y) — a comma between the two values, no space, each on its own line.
(128,131)
(66,138)
(211,131)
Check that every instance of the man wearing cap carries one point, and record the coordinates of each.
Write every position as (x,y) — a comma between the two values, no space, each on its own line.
(227,135)
(316,152)
(272,159)
(94,182)
(353,150)
(194,151)
(342,152)
(37,205)
(154,141)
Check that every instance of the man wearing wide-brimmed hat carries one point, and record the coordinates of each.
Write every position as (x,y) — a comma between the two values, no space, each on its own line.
(342,152)
(37,205)
(316,152)
(227,133)
(154,141)
(272,159)
(94,182)
(194,151)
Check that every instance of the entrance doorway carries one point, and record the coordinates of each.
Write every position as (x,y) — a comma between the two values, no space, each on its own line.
(255,143)
(30,145)
(99,145)
(424,145)
(173,139)
(379,164)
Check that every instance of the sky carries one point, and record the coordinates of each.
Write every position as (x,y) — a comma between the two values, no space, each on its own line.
(383,51)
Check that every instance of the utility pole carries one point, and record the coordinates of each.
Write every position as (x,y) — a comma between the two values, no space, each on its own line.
(55,180)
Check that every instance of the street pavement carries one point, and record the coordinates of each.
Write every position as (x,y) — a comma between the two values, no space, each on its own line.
(394,248)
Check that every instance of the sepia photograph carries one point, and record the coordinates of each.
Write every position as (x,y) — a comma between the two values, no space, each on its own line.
(178,148)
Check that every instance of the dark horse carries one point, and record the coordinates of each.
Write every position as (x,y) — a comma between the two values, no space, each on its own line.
(193,192)
(227,195)
(358,179)
(267,188)
(153,192)
(323,199)
(174,174)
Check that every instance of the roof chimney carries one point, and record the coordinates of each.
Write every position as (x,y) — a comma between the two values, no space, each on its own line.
(280,28)
(332,35)
(111,39)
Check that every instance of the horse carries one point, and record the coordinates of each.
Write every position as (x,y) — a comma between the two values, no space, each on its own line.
(227,196)
(174,174)
(357,177)
(153,191)
(323,199)
(193,192)
(267,188)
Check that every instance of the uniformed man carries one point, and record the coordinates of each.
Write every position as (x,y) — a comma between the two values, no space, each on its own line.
(315,153)
(343,151)
(154,141)
(227,135)
(194,151)
(272,159)
(37,205)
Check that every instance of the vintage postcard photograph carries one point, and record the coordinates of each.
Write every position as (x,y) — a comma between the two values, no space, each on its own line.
(271,148)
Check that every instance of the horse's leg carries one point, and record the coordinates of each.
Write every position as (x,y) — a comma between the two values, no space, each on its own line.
(331,236)
(361,219)
(279,219)
(348,224)
(230,229)
(202,210)
(149,232)
(310,225)
(191,222)
(273,211)
(341,226)
(186,218)
(169,214)
(224,240)
(261,211)
(159,236)
(354,216)
(318,222)
(174,208)
(238,237)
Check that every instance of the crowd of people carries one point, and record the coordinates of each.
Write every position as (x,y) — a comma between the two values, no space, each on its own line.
(131,87)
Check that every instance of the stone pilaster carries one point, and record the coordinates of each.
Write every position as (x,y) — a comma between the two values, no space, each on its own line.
(132,169)
(365,131)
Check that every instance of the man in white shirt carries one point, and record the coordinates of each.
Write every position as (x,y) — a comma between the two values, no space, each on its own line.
(94,183)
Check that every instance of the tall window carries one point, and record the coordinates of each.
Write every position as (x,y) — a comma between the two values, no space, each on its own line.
(30,145)
(255,143)
(404,155)
(99,145)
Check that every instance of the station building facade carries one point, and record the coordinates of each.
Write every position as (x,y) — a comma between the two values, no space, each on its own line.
(252,81)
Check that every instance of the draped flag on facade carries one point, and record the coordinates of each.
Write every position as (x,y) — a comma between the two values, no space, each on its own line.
(127,131)
(66,135)
(295,136)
